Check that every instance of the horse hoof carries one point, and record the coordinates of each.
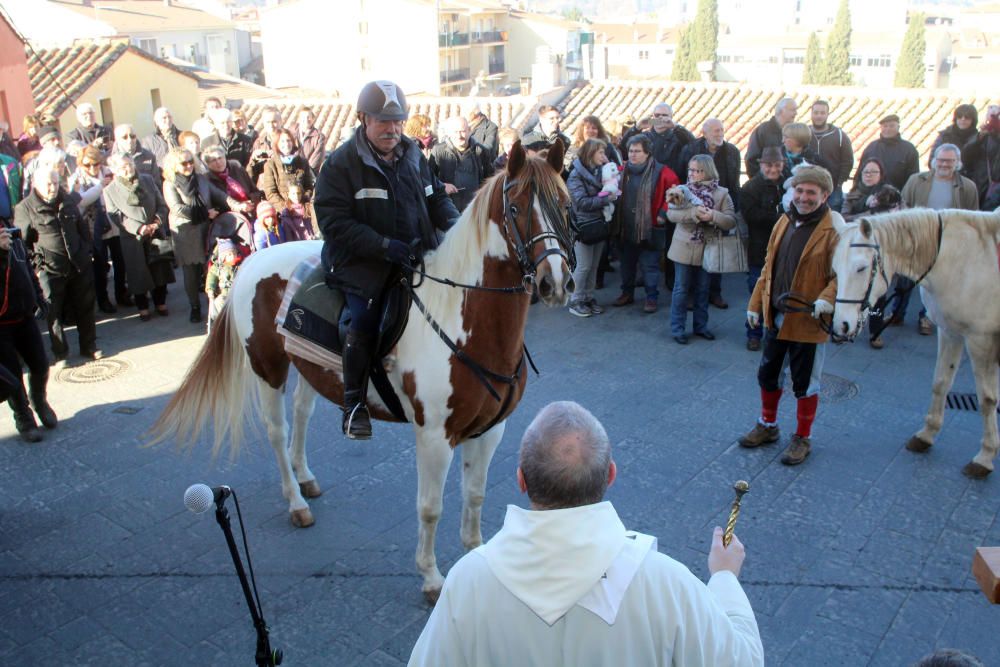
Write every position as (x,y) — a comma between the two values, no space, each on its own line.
(310,489)
(302,518)
(973,470)
(918,445)
(432,595)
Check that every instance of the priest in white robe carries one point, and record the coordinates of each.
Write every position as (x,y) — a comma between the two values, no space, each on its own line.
(566,584)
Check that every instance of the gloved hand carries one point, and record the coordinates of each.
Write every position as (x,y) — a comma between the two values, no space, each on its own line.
(397,252)
(821,307)
(753,319)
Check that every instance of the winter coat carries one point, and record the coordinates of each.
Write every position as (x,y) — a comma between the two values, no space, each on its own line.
(668,149)
(485,133)
(238,146)
(13,176)
(899,156)
(584,184)
(190,239)
(814,279)
(445,161)
(683,249)
(160,147)
(312,147)
(761,201)
(727,163)
(356,209)
(766,134)
(664,178)
(952,135)
(55,234)
(140,252)
(917,191)
(87,136)
(277,176)
(238,174)
(981,159)
(20,291)
(834,147)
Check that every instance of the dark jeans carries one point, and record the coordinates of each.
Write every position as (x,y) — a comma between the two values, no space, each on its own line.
(194,283)
(159,298)
(102,249)
(20,338)
(753,273)
(76,289)
(801,358)
(715,285)
(649,263)
(365,315)
(687,279)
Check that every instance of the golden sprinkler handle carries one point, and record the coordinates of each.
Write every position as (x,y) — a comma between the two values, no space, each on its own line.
(740,488)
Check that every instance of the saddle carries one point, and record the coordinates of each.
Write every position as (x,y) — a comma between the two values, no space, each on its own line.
(314,320)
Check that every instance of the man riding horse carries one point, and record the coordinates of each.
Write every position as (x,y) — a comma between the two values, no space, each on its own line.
(378,206)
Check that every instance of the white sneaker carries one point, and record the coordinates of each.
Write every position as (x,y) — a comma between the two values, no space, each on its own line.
(580,310)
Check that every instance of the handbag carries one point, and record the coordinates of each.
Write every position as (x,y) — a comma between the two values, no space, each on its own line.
(724,253)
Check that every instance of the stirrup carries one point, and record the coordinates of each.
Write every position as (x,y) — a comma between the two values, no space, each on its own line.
(357,423)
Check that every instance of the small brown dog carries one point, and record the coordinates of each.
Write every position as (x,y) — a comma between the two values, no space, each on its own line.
(680,197)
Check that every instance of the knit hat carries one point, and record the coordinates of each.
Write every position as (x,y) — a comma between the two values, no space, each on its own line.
(772,154)
(810,173)
(47,133)
(265,208)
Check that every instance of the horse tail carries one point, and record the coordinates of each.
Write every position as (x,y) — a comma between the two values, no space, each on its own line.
(217,388)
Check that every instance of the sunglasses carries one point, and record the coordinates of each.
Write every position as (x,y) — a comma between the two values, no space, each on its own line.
(187,163)
(128,136)
(90,164)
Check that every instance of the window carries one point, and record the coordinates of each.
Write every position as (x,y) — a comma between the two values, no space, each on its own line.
(855,61)
(883,60)
(794,60)
(738,59)
(725,59)
(668,52)
(107,112)
(154,97)
(149,46)
(366,65)
(773,60)
(643,54)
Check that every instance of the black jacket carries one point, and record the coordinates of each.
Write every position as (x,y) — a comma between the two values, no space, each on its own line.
(834,147)
(727,163)
(761,209)
(20,293)
(668,149)
(445,160)
(766,134)
(953,135)
(55,233)
(88,135)
(981,163)
(899,156)
(356,211)
(158,146)
(485,133)
(238,147)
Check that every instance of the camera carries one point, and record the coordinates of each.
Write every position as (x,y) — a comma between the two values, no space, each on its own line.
(15,232)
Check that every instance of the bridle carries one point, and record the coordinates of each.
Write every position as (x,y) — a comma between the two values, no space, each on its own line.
(563,247)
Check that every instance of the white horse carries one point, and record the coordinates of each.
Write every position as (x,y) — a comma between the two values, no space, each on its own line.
(514,231)
(955,252)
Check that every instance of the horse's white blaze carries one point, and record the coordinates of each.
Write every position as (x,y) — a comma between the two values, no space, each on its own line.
(555,261)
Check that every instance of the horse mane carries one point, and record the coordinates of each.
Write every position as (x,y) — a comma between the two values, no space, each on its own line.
(911,235)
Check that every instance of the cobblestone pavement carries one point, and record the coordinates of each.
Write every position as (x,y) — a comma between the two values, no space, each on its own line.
(860,556)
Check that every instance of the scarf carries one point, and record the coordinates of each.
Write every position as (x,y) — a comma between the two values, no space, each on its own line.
(188,186)
(233,188)
(643,220)
(134,189)
(702,192)
(170,136)
(809,218)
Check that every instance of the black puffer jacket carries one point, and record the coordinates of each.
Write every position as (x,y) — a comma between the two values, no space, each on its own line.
(761,208)
(55,233)
(584,185)
(727,163)
(766,134)
(446,160)
(20,293)
(668,149)
(356,211)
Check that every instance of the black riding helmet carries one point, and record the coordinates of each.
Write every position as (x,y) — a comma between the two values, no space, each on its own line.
(383,100)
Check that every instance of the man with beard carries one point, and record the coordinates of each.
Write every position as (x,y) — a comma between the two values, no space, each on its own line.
(834,147)
(460,162)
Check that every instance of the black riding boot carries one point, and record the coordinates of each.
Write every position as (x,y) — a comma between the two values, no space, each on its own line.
(24,420)
(37,384)
(356,359)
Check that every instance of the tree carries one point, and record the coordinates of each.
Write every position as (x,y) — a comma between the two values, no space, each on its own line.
(910,63)
(685,67)
(813,73)
(573,14)
(705,33)
(837,65)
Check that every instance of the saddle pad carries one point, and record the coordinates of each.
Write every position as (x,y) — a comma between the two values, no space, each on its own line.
(309,309)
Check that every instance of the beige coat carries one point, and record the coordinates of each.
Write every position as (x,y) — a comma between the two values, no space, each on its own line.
(682,249)
(814,279)
(917,191)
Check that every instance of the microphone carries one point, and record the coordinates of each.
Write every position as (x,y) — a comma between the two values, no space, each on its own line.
(199,497)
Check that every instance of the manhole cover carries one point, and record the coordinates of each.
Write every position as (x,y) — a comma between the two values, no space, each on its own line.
(832,388)
(94,371)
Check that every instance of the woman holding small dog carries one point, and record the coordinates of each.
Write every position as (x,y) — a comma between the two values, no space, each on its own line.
(712,210)
(589,200)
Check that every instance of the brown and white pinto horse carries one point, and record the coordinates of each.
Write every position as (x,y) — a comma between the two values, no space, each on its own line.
(516,229)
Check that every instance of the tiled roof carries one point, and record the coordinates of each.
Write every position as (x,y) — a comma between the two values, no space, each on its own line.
(137,16)
(223,86)
(74,70)
(637,33)
(333,116)
(855,110)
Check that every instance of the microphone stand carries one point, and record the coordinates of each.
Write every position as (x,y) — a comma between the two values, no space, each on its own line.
(265,657)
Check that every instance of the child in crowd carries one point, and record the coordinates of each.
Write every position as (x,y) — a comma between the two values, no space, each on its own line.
(268,230)
(222,266)
(295,220)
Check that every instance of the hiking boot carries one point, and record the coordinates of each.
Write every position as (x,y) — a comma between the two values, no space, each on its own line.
(753,344)
(579,309)
(650,306)
(877,343)
(717,301)
(925,327)
(37,392)
(623,300)
(760,435)
(594,308)
(24,420)
(797,452)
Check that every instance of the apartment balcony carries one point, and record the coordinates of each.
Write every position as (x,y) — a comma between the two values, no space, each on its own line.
(490,37)
(498,67)
(451,40)
(451,77)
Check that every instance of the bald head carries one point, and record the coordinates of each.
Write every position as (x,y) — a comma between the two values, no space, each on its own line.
(457,130)
(565,458)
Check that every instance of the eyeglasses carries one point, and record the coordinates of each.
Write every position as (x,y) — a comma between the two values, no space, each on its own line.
(128,136)
(187,163)
(871,172)
(662,115)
